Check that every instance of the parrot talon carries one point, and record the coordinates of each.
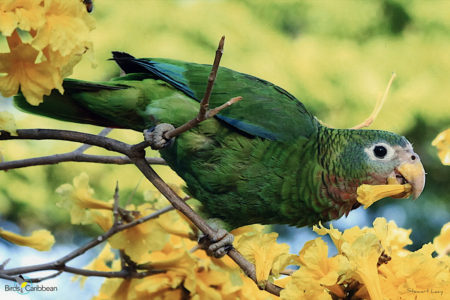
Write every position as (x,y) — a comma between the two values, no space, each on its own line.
(155,136)
(217,245)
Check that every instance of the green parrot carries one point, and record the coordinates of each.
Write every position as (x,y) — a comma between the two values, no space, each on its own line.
(265,159)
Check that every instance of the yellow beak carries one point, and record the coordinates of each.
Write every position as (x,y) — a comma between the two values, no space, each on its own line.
(414,173)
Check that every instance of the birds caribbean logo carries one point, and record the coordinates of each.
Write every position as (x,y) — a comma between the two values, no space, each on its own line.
(22,284)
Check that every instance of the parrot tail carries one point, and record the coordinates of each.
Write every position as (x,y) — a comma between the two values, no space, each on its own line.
(68,106)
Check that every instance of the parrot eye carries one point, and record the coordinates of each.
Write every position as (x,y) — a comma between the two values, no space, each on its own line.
(380,151)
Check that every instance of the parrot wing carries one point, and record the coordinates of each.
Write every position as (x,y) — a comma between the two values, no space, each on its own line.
(266,111)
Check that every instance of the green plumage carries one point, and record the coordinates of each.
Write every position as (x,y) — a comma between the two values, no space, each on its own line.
(264,160)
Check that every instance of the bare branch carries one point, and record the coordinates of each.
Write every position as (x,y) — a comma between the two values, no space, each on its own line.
(117,221)
(204,111)
(68,135)
(74,157)
(212,112)
(204,104)
(3,265)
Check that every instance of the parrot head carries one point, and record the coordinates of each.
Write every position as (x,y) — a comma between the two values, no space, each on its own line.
(383,158)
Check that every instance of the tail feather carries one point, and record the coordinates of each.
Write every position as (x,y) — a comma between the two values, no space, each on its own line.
(66,107)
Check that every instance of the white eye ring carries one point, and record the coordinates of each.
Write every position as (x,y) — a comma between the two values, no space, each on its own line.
(390,152)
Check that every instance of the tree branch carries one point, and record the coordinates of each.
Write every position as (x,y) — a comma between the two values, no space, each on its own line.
(74,157)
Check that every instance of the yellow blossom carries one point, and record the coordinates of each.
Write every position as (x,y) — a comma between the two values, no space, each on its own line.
(160,286)
(23,14)
(393,239)
(66,28)
(415,275)
(35,79)
(363,255)
(442,241)
(78,199)
(318,274)
(41,240)
(368,194)
(334,233)
(59,32)
(269,257)
(117,289)
(138,240)
(7,122)
(442,143)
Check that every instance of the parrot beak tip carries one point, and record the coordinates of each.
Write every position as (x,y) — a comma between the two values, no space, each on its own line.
(414,174)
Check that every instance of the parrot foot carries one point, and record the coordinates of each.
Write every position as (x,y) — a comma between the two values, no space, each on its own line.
(155,136)
(217,245)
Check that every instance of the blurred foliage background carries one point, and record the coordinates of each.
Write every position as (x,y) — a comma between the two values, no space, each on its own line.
(335,56)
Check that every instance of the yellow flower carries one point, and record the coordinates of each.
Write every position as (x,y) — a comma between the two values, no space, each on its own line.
(363,255)
(35,79)
(368,194)
(442,143)
(269,257)
(334,233)
(66,28)
(416,274)
(174,223)
(78,199)
(160,286)
(442,241)
(59,31)
(117,289)
(393,239)
(7,122)
(23,14)
(138,240)
(318,274)
(41,240)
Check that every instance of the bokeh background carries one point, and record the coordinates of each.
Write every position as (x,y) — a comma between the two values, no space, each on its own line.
(335,56)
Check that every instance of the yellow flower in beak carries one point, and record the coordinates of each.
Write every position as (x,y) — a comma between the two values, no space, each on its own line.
(369,194)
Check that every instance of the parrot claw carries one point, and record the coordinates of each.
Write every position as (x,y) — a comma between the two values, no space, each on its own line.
(155,136)
(217,245)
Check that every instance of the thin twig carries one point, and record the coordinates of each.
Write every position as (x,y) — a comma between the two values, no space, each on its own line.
(83,148)
(116,215)
(3,265)
(204,111)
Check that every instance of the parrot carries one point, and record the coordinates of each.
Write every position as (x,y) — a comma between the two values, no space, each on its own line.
(265,159)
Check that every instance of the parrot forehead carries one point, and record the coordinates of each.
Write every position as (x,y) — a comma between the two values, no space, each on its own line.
(379,136)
